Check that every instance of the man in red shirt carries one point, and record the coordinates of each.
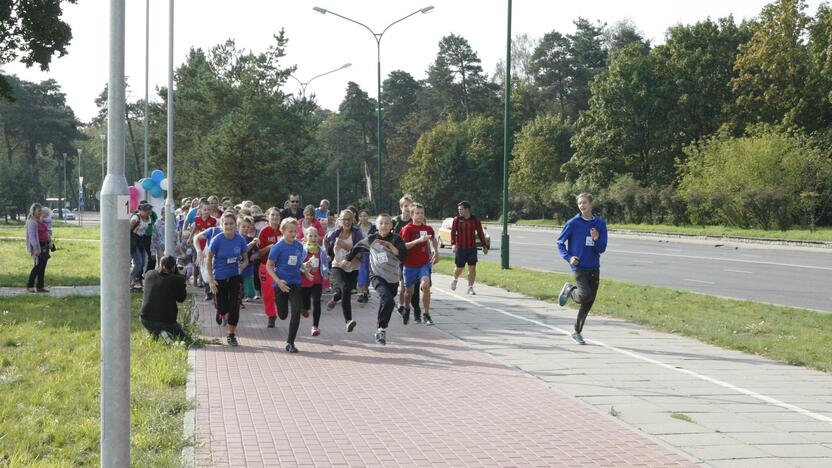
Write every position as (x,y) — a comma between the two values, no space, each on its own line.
(463,230)
(269,236)
(417,269)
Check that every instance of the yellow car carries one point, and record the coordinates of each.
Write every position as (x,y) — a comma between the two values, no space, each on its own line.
(445,235)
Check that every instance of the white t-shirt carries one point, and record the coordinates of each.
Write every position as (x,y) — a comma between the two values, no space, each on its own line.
(342,248)
(141,228)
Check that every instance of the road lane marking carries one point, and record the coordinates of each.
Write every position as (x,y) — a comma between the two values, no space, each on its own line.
(723,384)
(740,271)
(698,281)
(720,259)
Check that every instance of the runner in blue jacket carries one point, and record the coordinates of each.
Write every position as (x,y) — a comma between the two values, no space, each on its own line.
(581,243)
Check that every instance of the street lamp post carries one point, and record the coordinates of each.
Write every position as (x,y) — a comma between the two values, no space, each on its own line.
(146,76)
(304,84)
(504,241)
(61,208)
(170,222)
(377,36)
(80,187)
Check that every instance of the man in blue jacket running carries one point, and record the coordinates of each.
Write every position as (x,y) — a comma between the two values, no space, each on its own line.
(581,243)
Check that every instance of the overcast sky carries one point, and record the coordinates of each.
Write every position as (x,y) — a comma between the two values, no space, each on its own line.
(318,43)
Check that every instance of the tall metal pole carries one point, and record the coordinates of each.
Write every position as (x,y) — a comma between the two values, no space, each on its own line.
(146,76)
(504,241)
(80,188)
(115,266)
(380,204)
(170,222)
(63,205)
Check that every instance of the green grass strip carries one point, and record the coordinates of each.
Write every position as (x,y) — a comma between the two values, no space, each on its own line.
(49,386)
(75,263)
(60,230)
(795,336)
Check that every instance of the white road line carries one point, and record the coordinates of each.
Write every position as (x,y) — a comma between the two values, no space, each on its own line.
(740,271)
(723,384)
(642,261)
(698,281)
(720,259)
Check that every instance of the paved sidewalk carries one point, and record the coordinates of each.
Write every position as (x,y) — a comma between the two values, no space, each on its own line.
(425,399)
(54,291)
(725,408)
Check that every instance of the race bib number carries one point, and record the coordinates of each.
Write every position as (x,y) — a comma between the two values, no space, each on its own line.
(190,251)
(230,260)
(293,260)
(315,262)
(382,257)
(423,233)
(589,241)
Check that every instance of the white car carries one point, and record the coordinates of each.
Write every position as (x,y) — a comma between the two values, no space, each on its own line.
(68,215)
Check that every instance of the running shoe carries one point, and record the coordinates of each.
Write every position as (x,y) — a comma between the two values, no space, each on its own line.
(381,336)
(363,298)
(219,318)
(351,325)
(256,298)
(471,291)
(563,298)
(428,320)
(331,304)
(453,285)
(578,338)
(405,316)
(290,348)
(417,319)
(316,331)
(272,321)
(304,312)
(44,290)
(232,339)
(401,310)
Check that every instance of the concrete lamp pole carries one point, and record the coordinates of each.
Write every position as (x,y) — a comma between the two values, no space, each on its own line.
(377,36)
(115,265)
(170,221)
(504,241)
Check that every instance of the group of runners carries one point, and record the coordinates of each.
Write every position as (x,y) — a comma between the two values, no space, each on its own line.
(289,258)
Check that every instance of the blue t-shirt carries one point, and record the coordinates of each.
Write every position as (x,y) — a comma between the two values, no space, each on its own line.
(321,214)
(192,215)
(210,233)
(288,259)
(575,241)
(227,255)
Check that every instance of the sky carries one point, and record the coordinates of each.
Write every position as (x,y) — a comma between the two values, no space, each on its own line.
(319,43)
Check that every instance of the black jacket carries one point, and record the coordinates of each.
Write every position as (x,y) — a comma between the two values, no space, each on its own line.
(161,293)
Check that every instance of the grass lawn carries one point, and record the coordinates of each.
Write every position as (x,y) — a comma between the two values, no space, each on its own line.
(75,263)
(49,383)
(823,234)
(796,336)
(60,230)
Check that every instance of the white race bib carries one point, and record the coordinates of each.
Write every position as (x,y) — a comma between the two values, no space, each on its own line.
(293,260)
(231,260)
(589,241)
(315,262)
(423,233)
(382,257)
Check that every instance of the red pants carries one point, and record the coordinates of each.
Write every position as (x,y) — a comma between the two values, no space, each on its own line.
(267,288)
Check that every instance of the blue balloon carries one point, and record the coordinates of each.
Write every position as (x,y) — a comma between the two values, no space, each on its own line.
(157,192)
(148,184)
(157,176)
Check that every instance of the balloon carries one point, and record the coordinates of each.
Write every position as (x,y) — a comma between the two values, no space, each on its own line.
(147,184)
(156,192)
(164,184)
(157,175)
(134,198)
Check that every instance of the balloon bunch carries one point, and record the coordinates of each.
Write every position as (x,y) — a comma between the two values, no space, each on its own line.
(153,187)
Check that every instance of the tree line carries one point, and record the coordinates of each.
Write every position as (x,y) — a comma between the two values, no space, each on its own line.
(725,122)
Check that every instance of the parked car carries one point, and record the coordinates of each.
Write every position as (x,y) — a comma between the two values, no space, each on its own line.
(68,215)
(445,235)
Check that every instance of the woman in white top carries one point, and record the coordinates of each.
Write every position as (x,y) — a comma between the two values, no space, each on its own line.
(338,244)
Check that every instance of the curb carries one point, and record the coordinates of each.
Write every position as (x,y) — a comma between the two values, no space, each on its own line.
(189,427)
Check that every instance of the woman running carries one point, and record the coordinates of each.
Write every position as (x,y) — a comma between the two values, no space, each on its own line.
(226,257)
(339,243)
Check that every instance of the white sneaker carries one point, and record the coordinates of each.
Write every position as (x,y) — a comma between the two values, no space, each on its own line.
(453,285)
(471,291)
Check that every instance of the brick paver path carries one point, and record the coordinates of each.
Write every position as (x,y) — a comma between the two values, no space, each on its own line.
(425,399)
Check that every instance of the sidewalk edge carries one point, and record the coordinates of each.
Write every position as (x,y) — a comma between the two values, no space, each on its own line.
(189,426)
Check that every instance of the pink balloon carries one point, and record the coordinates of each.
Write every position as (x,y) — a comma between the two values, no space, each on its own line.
(134,198)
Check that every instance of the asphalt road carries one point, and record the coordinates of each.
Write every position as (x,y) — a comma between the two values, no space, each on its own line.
(798,277)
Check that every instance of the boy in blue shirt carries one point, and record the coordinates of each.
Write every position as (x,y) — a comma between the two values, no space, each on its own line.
(284,266)
(581,243)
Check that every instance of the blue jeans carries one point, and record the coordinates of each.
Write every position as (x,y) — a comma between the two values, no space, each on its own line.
(139,256)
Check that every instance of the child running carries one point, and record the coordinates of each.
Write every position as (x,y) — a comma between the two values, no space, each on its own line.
(339,244)
(269,236)
(284,267)
(417,269)
(581,243)
(246,226)
(226,257)
(364,271)
(317,266)
(387,252)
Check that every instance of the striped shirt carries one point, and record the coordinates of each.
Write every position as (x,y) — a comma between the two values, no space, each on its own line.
(463,231)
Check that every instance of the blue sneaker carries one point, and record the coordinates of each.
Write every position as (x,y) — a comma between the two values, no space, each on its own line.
(578,338)
(564,294)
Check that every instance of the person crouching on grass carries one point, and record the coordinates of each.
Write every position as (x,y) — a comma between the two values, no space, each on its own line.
(227,257)
(581,243)
(163,288)
(284,267)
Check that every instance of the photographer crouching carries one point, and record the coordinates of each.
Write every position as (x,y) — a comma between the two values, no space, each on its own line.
(163,288)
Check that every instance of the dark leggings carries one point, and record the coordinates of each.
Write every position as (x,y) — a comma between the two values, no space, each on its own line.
(343,284)
(286,302)
(587,282)
(39,269)
(387,300)
(312,300)
(227,298)
(256,264)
